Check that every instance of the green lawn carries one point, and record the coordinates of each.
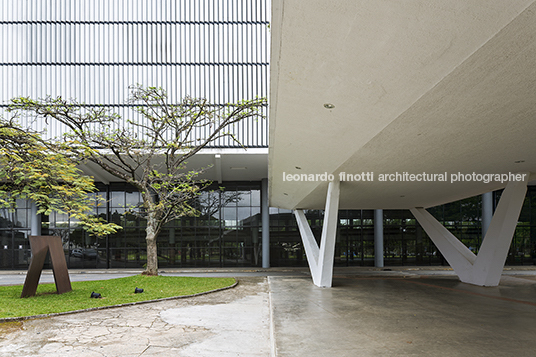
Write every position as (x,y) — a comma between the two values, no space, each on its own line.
(114,292)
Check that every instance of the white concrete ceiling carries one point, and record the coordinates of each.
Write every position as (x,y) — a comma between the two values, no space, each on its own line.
(418,86)
(221,164)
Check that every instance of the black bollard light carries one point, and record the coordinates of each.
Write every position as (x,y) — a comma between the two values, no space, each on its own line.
(138,290)
(95,295)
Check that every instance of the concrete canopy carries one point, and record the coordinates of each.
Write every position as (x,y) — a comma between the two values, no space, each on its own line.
(220,165)
(416,86)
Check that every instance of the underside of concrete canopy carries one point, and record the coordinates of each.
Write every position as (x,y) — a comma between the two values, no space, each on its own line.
(225,164)
(418,86)
(409,104)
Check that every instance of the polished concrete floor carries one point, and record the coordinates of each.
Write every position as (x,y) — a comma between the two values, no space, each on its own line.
(279,312)
(413,315)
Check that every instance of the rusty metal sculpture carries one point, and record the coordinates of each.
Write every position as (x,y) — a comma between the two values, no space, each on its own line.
(40,246)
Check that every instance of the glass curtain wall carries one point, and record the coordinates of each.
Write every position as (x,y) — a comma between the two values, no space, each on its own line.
(15,250)
(405,242)
(227,233)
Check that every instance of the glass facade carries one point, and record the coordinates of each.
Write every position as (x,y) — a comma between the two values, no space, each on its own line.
(227,233)
(405,242)
(14,232)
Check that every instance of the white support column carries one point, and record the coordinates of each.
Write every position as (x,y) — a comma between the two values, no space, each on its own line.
(495,245)
(309,243)
(487,211)
(459,257)
(378,238)
(265,222)
(217,168)
(484,269)
(321,258)
(35,220)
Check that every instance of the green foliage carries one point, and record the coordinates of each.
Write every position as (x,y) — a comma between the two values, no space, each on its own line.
(113,291)
(32,170)
(149,150)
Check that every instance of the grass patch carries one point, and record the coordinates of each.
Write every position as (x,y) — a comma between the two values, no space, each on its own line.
(113,291)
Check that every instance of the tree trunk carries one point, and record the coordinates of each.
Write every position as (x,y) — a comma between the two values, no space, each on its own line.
(152,252)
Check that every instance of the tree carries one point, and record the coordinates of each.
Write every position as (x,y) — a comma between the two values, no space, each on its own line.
(32,170)
(149,150)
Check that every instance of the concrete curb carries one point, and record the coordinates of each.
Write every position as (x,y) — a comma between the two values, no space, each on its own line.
(23,318)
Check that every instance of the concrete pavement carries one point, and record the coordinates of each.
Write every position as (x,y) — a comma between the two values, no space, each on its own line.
(236,323)
(411,316)
(368,312)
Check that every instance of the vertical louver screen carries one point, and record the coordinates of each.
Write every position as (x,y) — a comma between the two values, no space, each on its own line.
(92,50)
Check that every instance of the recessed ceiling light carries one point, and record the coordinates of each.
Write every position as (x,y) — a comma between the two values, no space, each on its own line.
(519,161)
(329,106)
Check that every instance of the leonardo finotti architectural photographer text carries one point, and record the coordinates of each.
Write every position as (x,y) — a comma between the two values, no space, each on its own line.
(406,177)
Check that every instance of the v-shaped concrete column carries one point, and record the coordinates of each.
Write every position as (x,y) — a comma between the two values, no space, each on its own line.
(320,259)
(484,269)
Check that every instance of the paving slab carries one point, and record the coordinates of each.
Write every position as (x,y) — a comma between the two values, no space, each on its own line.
(234,322)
